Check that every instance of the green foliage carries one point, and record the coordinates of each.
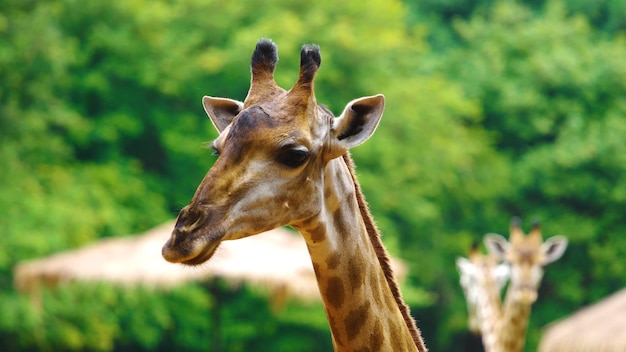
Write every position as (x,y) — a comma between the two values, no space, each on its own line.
(99,317)
(493,109)
(17,322)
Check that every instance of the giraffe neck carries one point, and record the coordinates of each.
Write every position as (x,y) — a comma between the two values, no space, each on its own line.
(361,298)
(488,309)
(514,323)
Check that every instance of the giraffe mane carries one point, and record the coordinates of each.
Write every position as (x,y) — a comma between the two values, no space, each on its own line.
(383,256)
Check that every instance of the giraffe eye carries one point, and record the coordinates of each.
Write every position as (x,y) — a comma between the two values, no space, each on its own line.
(293,157)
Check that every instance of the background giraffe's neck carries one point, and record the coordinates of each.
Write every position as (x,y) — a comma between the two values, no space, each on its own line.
(353,270)
(488,307)
(516,314)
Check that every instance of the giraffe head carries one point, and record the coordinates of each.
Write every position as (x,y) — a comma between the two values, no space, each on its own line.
(527,255)
(272,149)
(479,272)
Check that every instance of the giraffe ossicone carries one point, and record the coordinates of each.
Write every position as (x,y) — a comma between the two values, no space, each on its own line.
(284,160)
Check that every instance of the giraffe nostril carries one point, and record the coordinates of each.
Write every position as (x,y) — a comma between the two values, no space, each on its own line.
(187,218)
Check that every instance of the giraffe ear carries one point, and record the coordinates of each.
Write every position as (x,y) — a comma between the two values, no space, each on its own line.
(496,245)
(221,111)
(357,123)
(553,248)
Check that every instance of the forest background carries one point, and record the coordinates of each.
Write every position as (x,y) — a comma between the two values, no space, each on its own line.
(494,109)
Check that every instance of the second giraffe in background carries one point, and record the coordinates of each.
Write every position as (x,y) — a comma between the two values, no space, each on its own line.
(503,327)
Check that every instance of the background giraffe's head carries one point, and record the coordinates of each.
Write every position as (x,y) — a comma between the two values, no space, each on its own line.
(479,272)
(272,149)
(527,255)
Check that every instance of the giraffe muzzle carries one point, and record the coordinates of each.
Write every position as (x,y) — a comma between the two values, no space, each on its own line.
(194,239)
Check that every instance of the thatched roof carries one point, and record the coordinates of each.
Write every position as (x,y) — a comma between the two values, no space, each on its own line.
(600,327)
(277,259)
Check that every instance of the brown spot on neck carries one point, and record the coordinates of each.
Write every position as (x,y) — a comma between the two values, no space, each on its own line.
(340,221)
(377,338)
(335,292)
(333,261)
(356,319)
(318,234)
(356,275)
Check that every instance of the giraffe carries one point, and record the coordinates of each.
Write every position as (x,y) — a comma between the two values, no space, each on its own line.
(284,160)
(526,255)
(482,280)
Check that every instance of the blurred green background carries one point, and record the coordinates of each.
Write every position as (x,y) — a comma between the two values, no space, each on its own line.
(494,109)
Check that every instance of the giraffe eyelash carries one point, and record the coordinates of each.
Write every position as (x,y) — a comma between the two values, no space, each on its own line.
(213,147)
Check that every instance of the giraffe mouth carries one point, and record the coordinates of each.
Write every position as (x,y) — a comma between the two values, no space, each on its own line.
(204,255)
(182,248)
(526,293)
